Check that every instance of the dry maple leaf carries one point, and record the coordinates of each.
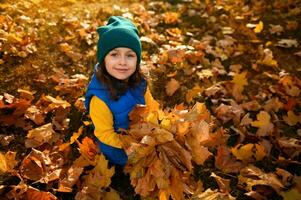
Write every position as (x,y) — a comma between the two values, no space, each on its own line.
(205,73)
(96,181)
(25,94)
(192,93)
(224,184)
(240,82)
(265,127)
(35,114)
(290,146)
(226,162)
(38,136)
(88,148)
(273,104)
(176,55)
(267,58)
(16,110)
(111,195)
(249,152)
(228,112)
(258,27)
(172,86)
(171,17)
(292,119)
(213,194)
(66,184)
(35,194)
(291,194)
(33,166)
(73,138)
(286,177)
(17,191)
(252,175)
(7,161)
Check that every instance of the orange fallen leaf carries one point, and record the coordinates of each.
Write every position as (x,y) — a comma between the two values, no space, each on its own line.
(88,148)
(192,93)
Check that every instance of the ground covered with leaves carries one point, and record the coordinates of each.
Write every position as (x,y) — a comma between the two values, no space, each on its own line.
(226,76)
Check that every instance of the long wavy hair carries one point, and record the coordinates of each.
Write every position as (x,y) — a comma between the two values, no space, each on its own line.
(118,87)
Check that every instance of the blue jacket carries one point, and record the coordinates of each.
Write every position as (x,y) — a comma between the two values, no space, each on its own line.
(120,109)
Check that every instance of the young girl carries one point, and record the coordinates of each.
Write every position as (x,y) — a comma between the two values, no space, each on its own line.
(117,85)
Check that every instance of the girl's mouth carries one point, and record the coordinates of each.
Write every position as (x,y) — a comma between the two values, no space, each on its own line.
(121,70)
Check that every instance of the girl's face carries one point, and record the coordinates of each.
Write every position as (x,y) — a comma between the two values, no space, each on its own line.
(121,63)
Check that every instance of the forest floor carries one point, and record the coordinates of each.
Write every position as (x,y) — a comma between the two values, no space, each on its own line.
(217,52)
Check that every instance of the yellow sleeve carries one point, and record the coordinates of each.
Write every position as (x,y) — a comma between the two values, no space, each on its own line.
(102,119)
(150,102)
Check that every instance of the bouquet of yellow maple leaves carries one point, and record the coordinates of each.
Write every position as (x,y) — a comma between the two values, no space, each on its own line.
(162,147)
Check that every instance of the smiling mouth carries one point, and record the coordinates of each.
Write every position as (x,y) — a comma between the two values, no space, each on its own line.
(122,70)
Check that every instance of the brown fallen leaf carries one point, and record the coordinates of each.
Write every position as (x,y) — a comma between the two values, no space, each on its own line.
(224,184)
(35,194)
(38,136)
(252,175)
(72,176)
(226,162)
(33,166)
(172,86)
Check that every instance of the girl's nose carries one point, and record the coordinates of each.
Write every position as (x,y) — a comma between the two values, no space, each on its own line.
(122,59)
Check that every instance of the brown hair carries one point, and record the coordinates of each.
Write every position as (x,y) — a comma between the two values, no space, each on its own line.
(118,87)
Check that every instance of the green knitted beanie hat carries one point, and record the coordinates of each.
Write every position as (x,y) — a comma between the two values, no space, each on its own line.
(119,32)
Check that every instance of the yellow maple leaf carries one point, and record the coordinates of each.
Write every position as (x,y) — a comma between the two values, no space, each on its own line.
(102,168)
(240,81)
(166,124)
(263,123)
(263,118)
(249,151)
(243,152)
(259,27)
(152,118)
(3,164)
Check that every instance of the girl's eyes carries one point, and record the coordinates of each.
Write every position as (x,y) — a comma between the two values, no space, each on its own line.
(130,55)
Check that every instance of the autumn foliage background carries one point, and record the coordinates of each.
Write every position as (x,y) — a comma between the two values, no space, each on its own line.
(225,73)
